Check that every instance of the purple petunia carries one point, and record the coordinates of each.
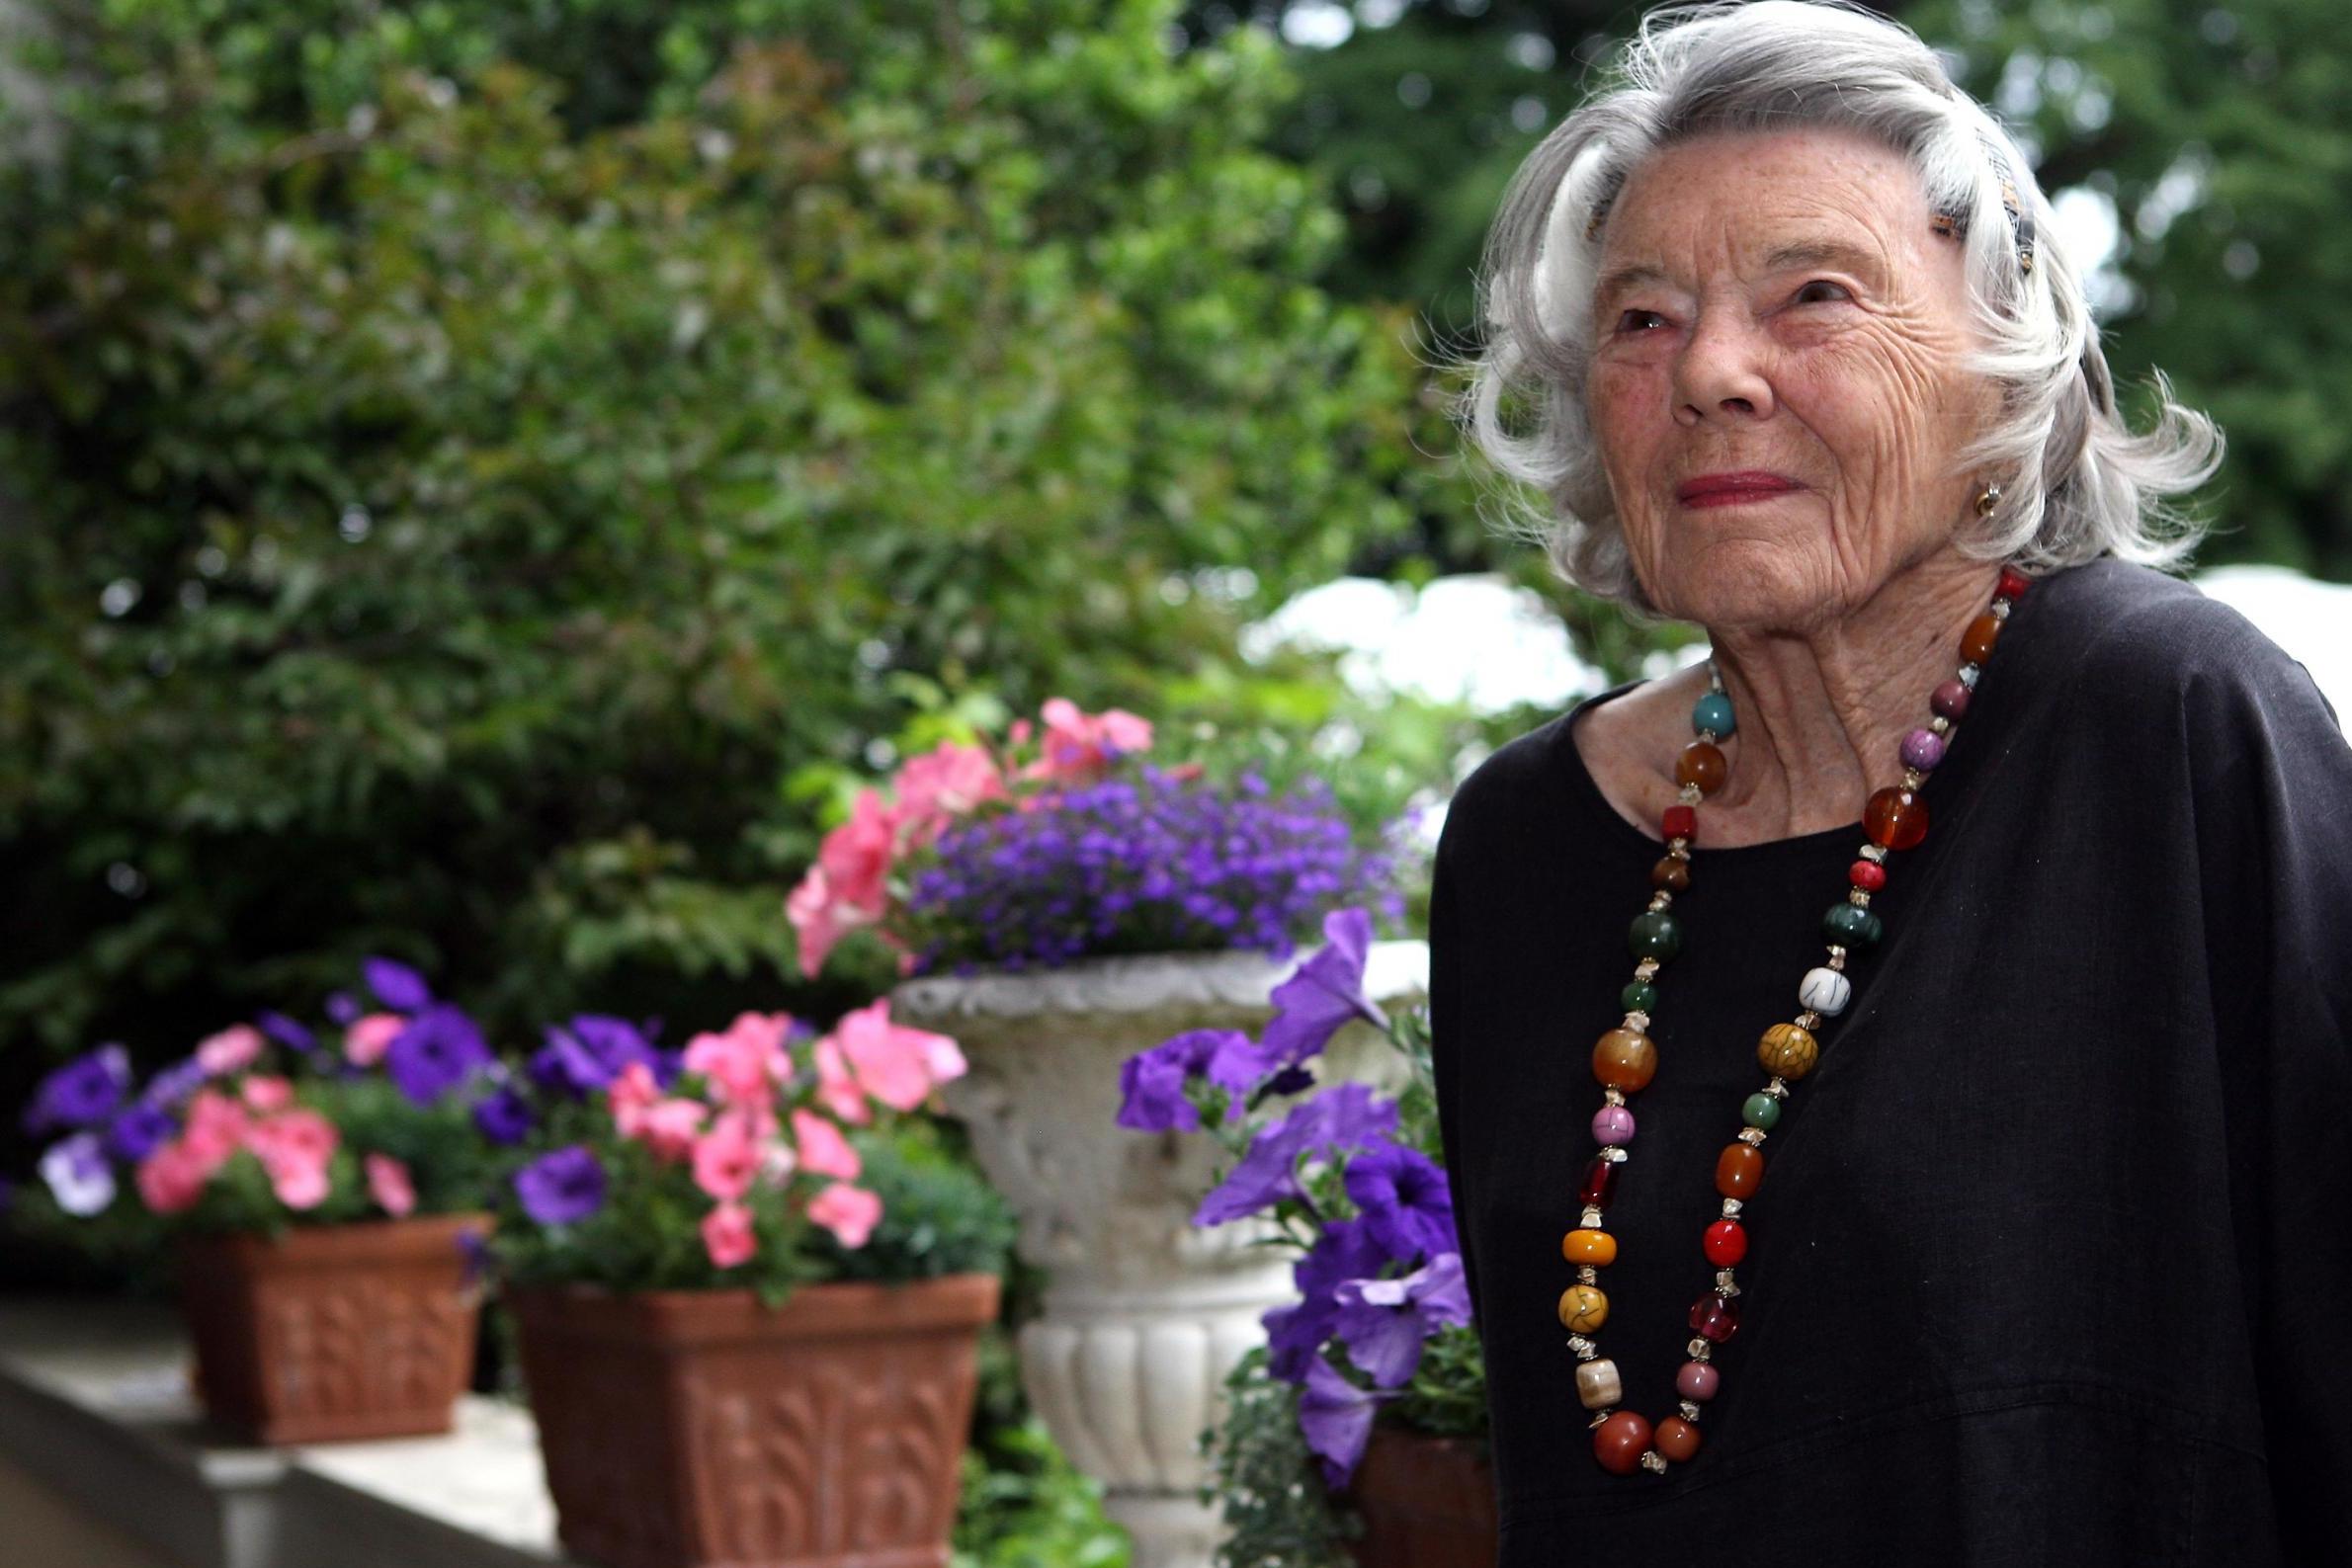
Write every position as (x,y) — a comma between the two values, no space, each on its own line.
(172,1087)
(1295,1334)
(1152,1083)
(562,1188)
(586,1057)
(1326,991)
(1385,1323)
(82,1092)
(439,1050)
(1336,1418)
(344,1008)
(79,1178)
(1345,1117)
(139,1131)
(397,985)
(503,1116)
(285,1031)
(1405,1195)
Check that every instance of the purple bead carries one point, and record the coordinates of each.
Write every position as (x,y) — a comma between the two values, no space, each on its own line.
(1613,1125)
(1923,749)
(1697,1380)
(1951,699)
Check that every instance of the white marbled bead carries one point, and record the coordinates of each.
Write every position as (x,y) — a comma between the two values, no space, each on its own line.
(1598,1385)
(1826,991)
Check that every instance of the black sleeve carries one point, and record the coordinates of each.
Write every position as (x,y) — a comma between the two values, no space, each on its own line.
(1445,993)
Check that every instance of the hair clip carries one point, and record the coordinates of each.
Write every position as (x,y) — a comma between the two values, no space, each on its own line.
(2021,223)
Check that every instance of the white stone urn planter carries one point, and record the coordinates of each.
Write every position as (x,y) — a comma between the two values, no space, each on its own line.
(1145,1315)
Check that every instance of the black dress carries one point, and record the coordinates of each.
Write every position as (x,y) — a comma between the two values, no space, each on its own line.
(2052,1258)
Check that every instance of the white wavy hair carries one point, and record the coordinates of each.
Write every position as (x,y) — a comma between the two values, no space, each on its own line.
(2076,484)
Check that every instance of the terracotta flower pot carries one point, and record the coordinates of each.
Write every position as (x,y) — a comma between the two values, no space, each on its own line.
(334,1333)
(1427,1503)
(684,1427)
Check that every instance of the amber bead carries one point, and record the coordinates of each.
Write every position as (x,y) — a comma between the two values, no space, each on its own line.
(1671,875)
(1715,1318)
(1596,1246)
(1624,1059)
(1676,1439)
(1600,1181)
(1976,644)
(1582,1308)
(1895,818)
(1619,1442)
(1739,1169)
(1701,764)
(1788,1050)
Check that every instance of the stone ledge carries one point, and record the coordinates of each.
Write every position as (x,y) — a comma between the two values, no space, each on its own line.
(94,1405)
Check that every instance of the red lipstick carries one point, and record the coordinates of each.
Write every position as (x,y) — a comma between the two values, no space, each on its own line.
(1729,489)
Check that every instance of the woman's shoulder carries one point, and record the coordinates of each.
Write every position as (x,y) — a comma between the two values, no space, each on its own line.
(1501,795)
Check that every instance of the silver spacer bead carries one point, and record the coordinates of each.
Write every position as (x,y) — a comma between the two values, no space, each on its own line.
(1837,958)
(1637,1021)
(1724,1284)
(1651,1459)
(1659,900)
(1645,968)
(1700,1350)
(1968,676)
(1586,1273)
(1709,736)
(1615,1153)
(1809,1018)
(1876,854)
(1585,1349)
(1592,1219)
(1691,795)
(1598,1417)
(1777,1089)
(1615,1097)
(1940,724)
(1731,1208)
(1859,897)
(1690,1410)
(2000,610)
(1680,849)
(1752,1137)
(1912,777)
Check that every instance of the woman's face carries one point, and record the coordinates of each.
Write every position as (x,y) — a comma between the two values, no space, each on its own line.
(1778,302)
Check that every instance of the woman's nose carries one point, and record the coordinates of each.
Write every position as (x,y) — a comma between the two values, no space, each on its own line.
(1720,374)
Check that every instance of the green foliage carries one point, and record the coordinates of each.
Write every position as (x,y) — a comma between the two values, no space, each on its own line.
(939,1215)
(1277,1511)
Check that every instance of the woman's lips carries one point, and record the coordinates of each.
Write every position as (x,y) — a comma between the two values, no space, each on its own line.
(1732,489)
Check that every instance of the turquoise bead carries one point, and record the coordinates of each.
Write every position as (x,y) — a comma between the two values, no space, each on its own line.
(1655,934)
(1761,1111)
(1640,997)
(1851,927)
(1713,711)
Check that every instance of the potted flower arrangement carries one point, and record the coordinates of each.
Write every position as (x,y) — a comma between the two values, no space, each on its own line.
(1057,902)
(1357,1434)
(747,1318)
(325,1194)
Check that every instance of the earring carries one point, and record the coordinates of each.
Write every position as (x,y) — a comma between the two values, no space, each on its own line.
(1989,500)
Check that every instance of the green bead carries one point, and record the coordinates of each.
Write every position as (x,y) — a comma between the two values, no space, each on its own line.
(1713,711)
(1655,934)
(1640,997)
(1849,926)
(1761,1111)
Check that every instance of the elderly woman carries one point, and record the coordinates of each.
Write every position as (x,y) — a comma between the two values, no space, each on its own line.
(1893,1073)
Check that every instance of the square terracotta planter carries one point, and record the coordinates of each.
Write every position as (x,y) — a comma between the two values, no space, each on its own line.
(1427,1503)
(334,1333)
(684,1428)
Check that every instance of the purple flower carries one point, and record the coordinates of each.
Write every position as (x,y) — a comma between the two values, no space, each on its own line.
(1295,1334)
(344,1008)
(590,1055)
(1326,991)
(397,985)
(1406,1197)
(439,1050)
(1336,1418)
(615,1042)
(1337,1119)
(1151,1082)
(79,1178)
(503,1116)
(139,1131)
(1386,1322)
(561,1188)
(285,1031)
(82,1092)
(173,1086)
(565,1066)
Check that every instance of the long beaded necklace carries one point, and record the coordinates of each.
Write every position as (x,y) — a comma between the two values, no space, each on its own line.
(1626,1058)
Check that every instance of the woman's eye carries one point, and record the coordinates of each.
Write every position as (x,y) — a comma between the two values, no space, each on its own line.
(1820,282)
(1638,320)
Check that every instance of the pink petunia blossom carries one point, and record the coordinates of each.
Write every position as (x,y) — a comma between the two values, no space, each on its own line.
(239,1046)
(294,1147)
(172,1177)
(748,1062)
(848,887)
(673,1125)
(1079,746)
(946,782)
(897,1066)
(837,1084)
(265,1094)
(390,1185)
(824,1151)
(725,1159)
(849,1212)
(727,1237)
(368,1038)
(216,1126)
(631,1097)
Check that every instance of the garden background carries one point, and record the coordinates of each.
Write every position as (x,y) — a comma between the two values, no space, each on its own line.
(483,483)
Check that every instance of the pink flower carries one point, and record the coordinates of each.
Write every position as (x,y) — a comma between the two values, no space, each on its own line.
(294,1147)
(1079,746)
(895,1065)
(824,1151)
(809,908)
(368,1038)
(173,1178)
(235,1046)
(837,1086)
(748,1061)
(631,1097)
(300,1186)
(946,782)
(390,1186)
(727,1237)
(848,886)
(265,1094)
(217,1127)
(849,1212)
(672,1125)
(725,1160)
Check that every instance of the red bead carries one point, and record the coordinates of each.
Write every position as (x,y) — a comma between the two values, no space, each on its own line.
(1895,818)
(1726,1243)
(1677,1439)
(1715,1318)
(1600,1179)
(1869,875)
(1951,699)
(1619,1442)
(1682,822)
(2013,584)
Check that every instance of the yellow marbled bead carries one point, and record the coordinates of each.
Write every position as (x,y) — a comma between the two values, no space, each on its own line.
(1582,1308)
(1788,1050)
(1596,1246)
